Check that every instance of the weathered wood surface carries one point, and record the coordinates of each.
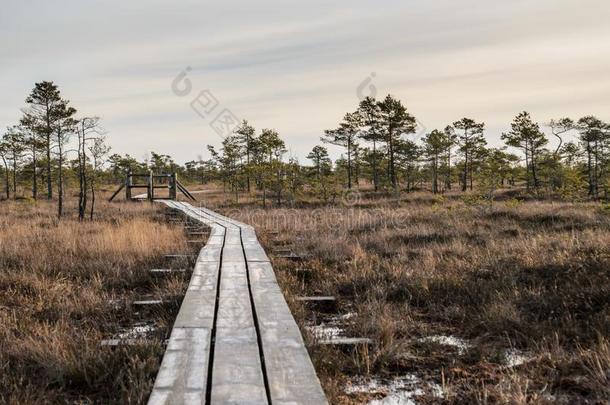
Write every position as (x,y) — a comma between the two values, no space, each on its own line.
(234,340)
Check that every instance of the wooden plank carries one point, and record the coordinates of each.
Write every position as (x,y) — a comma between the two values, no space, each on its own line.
(255,253)
(142,303)
(237,371)
(210,253)
(165,271)
(116,192)
(182,377)
(120,342)
(205,276)
(346,341)
(197,309)
(290,372)
(181,256)
(233,253)
(285,251)
(316,299)
(291,256)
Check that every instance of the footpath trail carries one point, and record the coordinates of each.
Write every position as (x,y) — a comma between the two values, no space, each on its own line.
(234,340)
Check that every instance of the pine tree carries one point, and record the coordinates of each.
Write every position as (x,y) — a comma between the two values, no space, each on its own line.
(229,162)
(35,145)
(395,121)
(272,147)
(4,153)
(407,154)
(526,134)
(245,134)
(450,139)
(595,137)
(64,125)
(560,127)
(14,145)
(470,139)
(435,145)
(370,115)
(345,136)
(98,151)
(44,103)
(320,159)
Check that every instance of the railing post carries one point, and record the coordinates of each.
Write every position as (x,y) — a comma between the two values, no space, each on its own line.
(151,186)
(128,184)
(173,186)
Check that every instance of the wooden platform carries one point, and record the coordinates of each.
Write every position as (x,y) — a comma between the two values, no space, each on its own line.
(234,340)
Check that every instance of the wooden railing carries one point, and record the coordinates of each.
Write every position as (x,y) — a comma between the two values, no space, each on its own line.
(153,182)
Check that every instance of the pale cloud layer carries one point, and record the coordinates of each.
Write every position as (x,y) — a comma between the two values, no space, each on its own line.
(295,66)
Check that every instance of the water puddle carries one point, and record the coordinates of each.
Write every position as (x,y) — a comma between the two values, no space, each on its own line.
(138,331)
(461,345)
(514,357)
(332,328)
(398,391)
(324,332)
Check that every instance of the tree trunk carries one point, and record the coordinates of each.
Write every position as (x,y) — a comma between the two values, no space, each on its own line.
(248,162)
(527,168)
(279,188)
(375,168)
(534,175)
(356,169)
(590,168)
(391,163)
(14,177)
(81,183)
(34,175)
(7,187)
(349,165)
(60,177)
(48,146)
(434,175)
(85,185)
(92,200)
(448,178)
(595,170)
(465,172)
(49,183)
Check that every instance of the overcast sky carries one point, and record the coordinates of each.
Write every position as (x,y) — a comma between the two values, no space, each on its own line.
(296,66)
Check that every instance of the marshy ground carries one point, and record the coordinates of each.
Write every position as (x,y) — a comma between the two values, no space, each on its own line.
(464,303)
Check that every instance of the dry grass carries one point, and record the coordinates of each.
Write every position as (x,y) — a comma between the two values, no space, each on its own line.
(65,286)
(530,276)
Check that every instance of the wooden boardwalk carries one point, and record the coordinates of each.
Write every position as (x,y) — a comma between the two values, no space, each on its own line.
(234,340)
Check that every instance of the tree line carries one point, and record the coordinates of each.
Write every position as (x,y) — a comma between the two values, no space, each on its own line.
(377,149)
(50,143)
